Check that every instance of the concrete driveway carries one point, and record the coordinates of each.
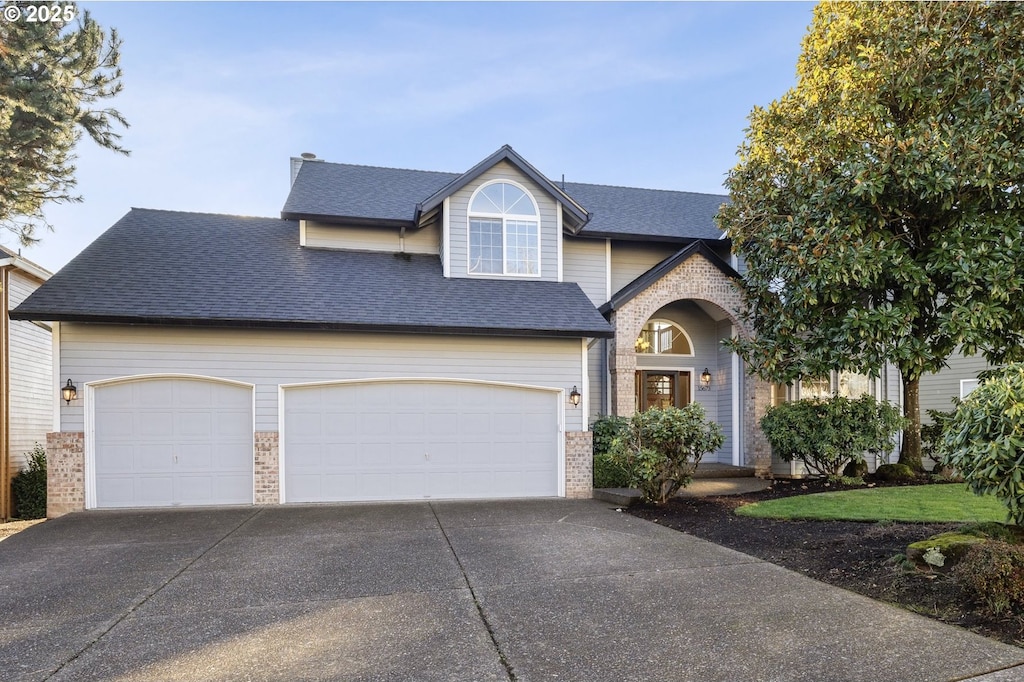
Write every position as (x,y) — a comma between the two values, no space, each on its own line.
(518,590)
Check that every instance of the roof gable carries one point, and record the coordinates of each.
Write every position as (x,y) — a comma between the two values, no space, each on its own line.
(578,215)
(631,290)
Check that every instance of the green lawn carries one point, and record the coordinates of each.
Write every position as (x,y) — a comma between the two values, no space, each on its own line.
(927,503)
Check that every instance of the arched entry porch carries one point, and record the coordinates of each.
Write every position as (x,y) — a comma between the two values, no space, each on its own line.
(694,292)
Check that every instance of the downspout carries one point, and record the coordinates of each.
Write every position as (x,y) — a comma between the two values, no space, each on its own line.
(606,393)
(401,239)
(5,388)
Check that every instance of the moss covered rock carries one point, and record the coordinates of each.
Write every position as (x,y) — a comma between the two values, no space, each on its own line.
(895,473)
(944,551)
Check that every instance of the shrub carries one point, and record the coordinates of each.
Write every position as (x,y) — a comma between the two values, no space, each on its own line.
(662,447)
(29,486)
(931,434)
(984,439)
(826,435)
(608,473)
(994,572)
(606,429)
(895,473)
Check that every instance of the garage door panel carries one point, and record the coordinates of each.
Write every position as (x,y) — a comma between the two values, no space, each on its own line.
(473,436)
(173,441)
(193,425)
(475,423)
(149,457)
(229,424)
(194,456)
(374,423)
(340,425)
(118,491)
(410,424)
(119,425)
(157,489)
(442,423)
(411,455)
(150,423)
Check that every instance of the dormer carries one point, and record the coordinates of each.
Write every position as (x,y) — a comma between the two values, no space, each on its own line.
(503,219)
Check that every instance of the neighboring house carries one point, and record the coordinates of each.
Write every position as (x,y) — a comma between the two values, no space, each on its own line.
(26,373)
(396,334)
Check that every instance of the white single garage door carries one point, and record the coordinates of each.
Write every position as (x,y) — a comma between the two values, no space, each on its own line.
(173,441)
(410,440)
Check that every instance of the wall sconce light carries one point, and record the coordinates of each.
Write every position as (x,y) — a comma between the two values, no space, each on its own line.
(705,380)
(69,392)
(574,397)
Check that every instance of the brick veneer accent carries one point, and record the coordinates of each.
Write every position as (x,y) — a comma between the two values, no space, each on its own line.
(65,472)
(696,278)
(579,464)
(267,468)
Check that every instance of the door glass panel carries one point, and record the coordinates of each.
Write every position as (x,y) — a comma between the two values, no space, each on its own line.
(660,390)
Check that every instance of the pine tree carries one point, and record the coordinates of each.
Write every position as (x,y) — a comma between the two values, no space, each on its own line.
(54,78)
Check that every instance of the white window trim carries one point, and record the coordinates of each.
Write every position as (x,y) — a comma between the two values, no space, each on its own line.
(504,218)
(682,331)
(974,381)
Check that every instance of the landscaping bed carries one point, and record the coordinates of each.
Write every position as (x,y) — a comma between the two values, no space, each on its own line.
(856,556)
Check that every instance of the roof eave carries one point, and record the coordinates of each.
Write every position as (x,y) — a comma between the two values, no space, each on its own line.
(353,221)
(309,325)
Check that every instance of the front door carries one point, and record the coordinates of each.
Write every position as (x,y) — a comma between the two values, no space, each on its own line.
(662,388)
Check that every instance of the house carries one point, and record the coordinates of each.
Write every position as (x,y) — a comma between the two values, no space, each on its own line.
(395,334)
(26,373)
(956,380)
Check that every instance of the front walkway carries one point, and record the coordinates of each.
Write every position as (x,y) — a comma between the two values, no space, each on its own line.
(518,590)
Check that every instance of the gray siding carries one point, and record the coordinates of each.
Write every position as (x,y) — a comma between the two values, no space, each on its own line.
(325,236)
(549,234)
(939,389)
(584,261)
(269,358)
(630,260)
(31,376)
(724,393)
(597,379)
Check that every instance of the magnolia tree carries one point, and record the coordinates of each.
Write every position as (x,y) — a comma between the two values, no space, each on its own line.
(878,203)
(57,66)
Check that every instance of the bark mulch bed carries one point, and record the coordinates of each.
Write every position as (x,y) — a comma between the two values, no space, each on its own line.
(852,555)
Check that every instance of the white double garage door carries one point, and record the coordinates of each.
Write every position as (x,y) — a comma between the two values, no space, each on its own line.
(170,441)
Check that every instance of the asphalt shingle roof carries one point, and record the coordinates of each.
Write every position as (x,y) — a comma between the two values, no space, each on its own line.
(347,191)
(338,189)
(170,267)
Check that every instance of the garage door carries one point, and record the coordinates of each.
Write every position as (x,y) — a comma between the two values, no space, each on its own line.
(409,440)
(173,441)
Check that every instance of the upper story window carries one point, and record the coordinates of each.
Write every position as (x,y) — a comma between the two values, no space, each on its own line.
(663,337)
(504,231)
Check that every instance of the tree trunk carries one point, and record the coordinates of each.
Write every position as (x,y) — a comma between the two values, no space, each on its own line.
(910,452)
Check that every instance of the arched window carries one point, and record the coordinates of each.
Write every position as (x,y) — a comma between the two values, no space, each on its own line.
(504,234)
(663,337)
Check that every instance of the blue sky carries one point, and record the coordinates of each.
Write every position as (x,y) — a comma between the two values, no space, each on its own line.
(220,95)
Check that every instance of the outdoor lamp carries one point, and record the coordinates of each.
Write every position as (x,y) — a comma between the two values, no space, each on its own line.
(69,392)
(705,380)
(574,397)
